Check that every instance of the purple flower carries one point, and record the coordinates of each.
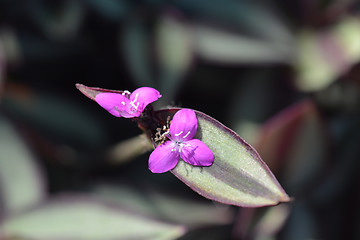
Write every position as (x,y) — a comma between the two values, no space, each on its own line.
(127,105)
(181,144)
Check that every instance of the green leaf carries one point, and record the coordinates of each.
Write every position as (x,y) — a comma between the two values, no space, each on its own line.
(225,47)
(168,207)
(256,18)
(272,222)
(129,149)
(324,56)
(238,176)
(135,44)
(85,218)
(22,184)
(174,62)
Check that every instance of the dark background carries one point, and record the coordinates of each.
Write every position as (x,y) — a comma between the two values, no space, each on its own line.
(283,74)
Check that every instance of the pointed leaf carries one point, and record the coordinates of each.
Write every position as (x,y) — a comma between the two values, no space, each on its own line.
(91,92)
(85,218)
(238,176)
(295,145)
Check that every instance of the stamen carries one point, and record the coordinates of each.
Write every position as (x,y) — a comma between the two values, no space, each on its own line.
(123,103)
(135,99)
(186,134)
(125,92)
(177,134)
(167,134)
(132,103)
(135,106)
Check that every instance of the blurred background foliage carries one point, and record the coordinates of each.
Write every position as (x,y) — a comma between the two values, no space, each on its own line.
(285,75)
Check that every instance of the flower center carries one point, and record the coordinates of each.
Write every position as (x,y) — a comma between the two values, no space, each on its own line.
(179,143)
(134,104)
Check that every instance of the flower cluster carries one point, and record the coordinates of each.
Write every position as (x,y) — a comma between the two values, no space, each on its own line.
(183,127)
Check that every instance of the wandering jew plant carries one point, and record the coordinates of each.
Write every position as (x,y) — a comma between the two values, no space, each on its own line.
(217,163)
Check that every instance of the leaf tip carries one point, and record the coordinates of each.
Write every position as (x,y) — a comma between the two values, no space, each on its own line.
(79,85)
(82,88)
(89,92)
(285,198)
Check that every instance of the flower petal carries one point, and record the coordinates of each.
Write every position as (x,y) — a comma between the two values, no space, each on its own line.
(143,96)
(114,103)
(163,158)
(183,125)
(196,153)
